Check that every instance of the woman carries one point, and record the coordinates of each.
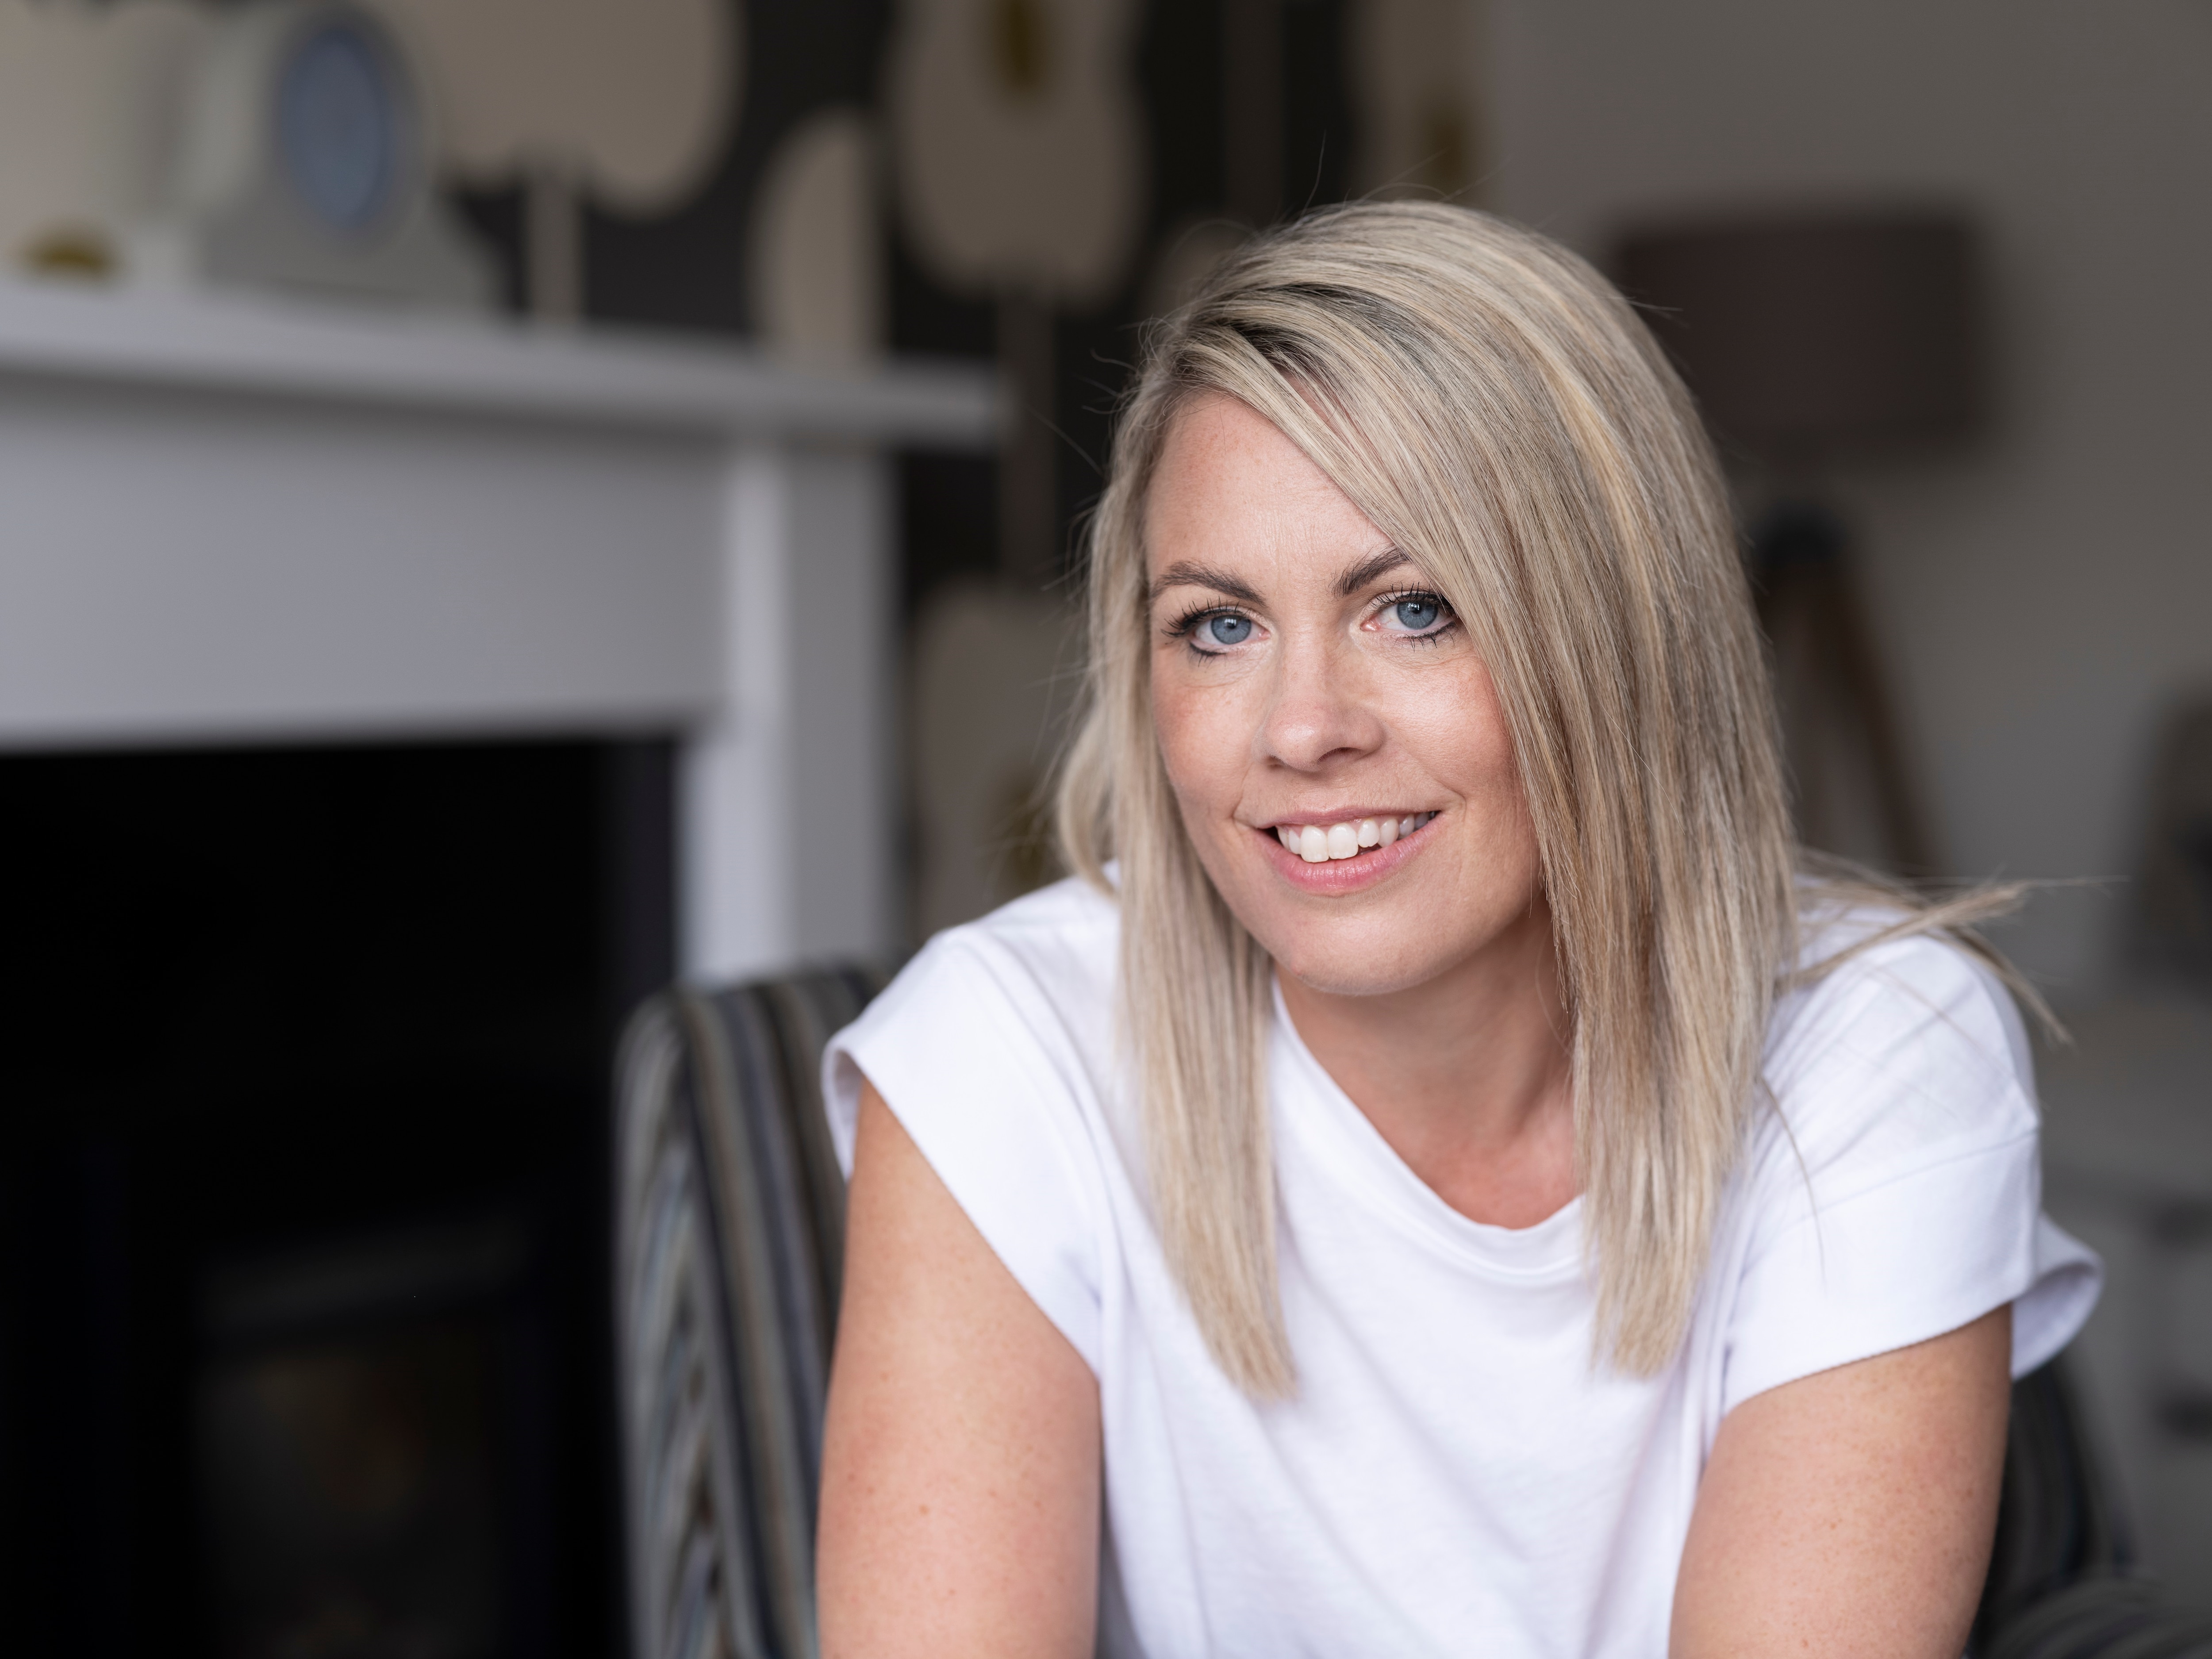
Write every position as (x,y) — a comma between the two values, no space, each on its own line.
(1439,1180)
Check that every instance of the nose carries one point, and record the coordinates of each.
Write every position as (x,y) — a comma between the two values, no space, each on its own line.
(1318,714)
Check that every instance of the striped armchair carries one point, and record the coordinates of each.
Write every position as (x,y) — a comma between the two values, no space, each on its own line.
(729,1225)
(729,1219)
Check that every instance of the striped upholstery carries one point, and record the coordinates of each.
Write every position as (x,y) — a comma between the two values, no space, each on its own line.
(728,1239)
(729,1227)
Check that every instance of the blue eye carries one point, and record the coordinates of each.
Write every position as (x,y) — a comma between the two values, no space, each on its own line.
(1418,616)
(1226,630)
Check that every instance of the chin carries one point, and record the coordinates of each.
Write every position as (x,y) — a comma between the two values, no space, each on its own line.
(1331,981)
(1346,961)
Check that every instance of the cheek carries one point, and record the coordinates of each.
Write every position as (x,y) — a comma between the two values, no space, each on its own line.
(1457,723)
(1462,735)
(1203,737)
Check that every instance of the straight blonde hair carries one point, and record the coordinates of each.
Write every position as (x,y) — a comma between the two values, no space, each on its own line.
(1497,410)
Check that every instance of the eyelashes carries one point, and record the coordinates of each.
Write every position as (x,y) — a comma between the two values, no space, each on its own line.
(1427,632)
(1194,625)
(1205,618)
(1183,625)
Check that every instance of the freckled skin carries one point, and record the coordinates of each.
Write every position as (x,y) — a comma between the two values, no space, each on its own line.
(1323,704)
(1431,996)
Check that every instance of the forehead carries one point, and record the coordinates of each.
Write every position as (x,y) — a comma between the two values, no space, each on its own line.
(1228,482)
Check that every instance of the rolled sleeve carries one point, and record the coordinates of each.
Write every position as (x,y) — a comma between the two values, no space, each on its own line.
(1897,1193)
(990,1105)
(1909,1260)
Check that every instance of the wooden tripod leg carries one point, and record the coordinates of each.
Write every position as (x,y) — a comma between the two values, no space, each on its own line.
(1848,644)
(1826,665)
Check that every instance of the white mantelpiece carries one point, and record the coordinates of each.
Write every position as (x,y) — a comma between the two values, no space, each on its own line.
(230,521)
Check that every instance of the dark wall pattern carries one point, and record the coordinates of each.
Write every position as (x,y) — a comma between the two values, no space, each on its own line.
(687,270)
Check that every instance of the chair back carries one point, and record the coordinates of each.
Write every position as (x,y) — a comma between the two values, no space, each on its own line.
(729,1228)
(2064,1581)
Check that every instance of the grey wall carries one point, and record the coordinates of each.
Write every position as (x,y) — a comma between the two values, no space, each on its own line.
(2042,596)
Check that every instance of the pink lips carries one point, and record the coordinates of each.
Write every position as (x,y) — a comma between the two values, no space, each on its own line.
(1340,876)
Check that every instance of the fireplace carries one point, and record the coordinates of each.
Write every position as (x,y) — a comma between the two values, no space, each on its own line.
(386,702)
(306,1052)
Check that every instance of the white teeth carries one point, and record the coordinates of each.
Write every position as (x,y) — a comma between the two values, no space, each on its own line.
(1319,843)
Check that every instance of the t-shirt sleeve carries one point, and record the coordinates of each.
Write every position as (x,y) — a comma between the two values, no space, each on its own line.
(1899,1193)
(966,1053)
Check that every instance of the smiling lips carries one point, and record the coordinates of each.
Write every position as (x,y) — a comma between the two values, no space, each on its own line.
(1322,843)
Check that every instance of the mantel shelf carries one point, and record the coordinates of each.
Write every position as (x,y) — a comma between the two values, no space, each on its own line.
(268,346)
(240,518)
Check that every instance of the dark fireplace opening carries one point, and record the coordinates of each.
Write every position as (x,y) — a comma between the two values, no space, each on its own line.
(303,1193)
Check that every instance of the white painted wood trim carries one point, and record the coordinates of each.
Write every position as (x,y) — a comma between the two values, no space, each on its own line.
(787,821)
(231,343)
(237,519)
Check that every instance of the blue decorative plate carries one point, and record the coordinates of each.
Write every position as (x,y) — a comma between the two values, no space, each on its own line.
(339,126)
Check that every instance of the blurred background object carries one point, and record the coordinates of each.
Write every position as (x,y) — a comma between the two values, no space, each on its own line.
(2036,590)
(1018,146)
(304,159)
(996,673)
(91,106)
(356,1420)
(817,273)
(2173,913)
(393,694)
(581,104)
(1807,338)
(2128,1158)
(1416,97)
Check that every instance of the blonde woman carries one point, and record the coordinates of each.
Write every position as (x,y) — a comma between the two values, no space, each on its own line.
(1440,1179)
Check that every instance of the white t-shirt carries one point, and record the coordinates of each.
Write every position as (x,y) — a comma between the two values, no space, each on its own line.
(1455,1475)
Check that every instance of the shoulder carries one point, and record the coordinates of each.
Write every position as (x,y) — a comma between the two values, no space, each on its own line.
(1858,953)
(1069,927)
(1018,1002)
(993,1050)
(1892,1190)
(1047,957)
(1897,1047)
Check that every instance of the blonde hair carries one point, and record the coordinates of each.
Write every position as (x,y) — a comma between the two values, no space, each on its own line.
(1498,411)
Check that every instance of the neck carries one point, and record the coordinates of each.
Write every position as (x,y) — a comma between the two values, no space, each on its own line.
(1466,1075)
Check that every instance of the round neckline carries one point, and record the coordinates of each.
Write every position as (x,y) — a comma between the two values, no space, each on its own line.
(1353,1153)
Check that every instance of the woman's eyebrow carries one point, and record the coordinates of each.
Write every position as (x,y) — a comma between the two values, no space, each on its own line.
(1369,569)
(1184,574)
